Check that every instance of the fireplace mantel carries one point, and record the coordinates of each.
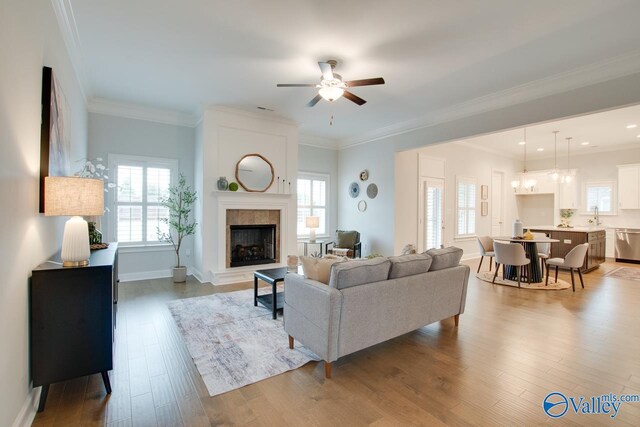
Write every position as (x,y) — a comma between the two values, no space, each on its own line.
(239,194)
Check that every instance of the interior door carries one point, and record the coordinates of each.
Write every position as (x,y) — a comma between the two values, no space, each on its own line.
(497,203)
(432,213)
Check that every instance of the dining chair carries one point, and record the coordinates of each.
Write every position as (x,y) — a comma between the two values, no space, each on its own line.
(573,261)
(511,254)
(485,244)
(544,250)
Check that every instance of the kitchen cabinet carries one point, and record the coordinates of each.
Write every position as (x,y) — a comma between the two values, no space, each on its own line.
(629,186)
(569,239)
(568,195)
(72,319)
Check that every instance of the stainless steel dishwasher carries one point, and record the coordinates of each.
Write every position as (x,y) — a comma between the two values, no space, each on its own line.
(628,244)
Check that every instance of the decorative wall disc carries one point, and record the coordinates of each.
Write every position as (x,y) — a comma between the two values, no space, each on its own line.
(364,175)
(354,190)
(372,191)
(362,206)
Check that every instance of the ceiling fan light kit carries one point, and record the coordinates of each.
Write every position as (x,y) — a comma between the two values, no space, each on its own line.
(332,87)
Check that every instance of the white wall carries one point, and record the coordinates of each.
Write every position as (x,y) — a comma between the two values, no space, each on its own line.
(118,135)
(460,161)
(321,160)
(29,40)
(378,224)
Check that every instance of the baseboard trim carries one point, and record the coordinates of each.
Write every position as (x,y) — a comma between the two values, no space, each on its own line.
(29,409)
(156,274)
(467,257)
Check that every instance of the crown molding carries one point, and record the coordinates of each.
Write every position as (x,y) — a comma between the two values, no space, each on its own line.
(599,72)
(318,142)
(67,24)
(141,112)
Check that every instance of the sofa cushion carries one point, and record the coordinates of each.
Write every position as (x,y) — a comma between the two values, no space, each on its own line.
(354,273)
(408,265)
(444,258)
(318,269)
(346,239)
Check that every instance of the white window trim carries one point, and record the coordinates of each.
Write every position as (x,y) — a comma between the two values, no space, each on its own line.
(468,236)
(113,161)
(584,209)
(327,178)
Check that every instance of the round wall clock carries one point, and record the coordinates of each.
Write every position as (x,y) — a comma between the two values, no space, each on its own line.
(372,191)
(354,190)
(362,206)
(364,175)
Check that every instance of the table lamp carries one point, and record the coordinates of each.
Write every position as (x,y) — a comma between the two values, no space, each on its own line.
(313,222)
(75,197)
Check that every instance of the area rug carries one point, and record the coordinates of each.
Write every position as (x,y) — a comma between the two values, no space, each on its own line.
(553,285)
(628,273)
(233,343)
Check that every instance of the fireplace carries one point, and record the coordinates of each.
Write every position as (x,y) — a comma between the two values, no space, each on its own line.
(252,237)
(252,244)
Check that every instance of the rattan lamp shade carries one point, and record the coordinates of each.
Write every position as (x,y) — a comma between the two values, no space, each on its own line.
(75,197)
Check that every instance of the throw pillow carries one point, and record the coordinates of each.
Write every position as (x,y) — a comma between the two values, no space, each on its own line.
(354,273)
(409,265)
(346,239)
(318,269)
(444,257)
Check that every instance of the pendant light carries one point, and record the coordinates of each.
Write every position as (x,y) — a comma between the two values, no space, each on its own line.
(524,183)
(555,173)
(568,176)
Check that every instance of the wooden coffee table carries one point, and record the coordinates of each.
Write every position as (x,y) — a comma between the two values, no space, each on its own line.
(275,300)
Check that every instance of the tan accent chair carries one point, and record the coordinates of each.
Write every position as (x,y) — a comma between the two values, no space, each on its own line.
(544,250)
(573,261)
(346,239)
(485,244)
(511,254)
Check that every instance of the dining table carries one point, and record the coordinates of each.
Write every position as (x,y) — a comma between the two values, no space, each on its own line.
(531,249)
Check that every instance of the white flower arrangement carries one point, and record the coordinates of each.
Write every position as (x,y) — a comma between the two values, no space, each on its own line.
(94,168)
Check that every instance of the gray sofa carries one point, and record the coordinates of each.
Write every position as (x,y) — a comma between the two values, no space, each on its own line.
(368,302)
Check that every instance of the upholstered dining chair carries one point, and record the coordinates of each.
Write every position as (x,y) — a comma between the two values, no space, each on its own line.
(511,254)
(573,261)
(544,250)
(485,244)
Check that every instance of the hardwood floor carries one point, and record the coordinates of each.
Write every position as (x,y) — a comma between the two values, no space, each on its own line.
(512,348)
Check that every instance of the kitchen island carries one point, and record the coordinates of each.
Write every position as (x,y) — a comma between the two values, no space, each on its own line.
(569,238)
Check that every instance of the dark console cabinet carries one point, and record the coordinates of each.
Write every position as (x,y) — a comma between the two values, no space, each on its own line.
(72,320)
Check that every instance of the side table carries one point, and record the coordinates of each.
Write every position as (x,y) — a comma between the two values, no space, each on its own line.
(275,300)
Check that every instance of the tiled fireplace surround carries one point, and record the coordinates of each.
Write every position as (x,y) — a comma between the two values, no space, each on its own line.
(251,217)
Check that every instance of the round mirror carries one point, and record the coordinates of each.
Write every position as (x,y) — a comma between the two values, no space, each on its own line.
(254,173)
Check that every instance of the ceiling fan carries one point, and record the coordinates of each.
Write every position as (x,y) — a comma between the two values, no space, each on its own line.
(332,86)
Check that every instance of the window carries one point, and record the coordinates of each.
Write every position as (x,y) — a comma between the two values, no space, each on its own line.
(600,194)
(312,201)
(465,207)
(141,183)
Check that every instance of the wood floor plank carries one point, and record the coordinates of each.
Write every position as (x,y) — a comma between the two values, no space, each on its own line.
(512,348)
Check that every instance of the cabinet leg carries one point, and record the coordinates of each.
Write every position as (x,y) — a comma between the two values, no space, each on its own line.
(43,397)
(105,380)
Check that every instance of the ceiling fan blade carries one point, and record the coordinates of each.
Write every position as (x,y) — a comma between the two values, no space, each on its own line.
(296,85)
(353,98)
(314,101)
(327,72)
(365,82)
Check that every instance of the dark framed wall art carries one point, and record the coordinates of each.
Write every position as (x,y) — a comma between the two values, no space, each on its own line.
(55,131)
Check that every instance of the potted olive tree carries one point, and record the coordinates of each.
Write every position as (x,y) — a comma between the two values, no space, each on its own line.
(179,202)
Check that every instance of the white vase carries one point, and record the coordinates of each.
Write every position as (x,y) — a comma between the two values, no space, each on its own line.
(179,274)
(517,228)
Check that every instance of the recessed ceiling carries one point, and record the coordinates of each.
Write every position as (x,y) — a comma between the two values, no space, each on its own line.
(606,131)
(183,55)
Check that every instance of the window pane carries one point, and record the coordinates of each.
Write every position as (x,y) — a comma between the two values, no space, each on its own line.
(154,214)
(158,182)
(129,223)
(129,184)
(304,192)
(319,193)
